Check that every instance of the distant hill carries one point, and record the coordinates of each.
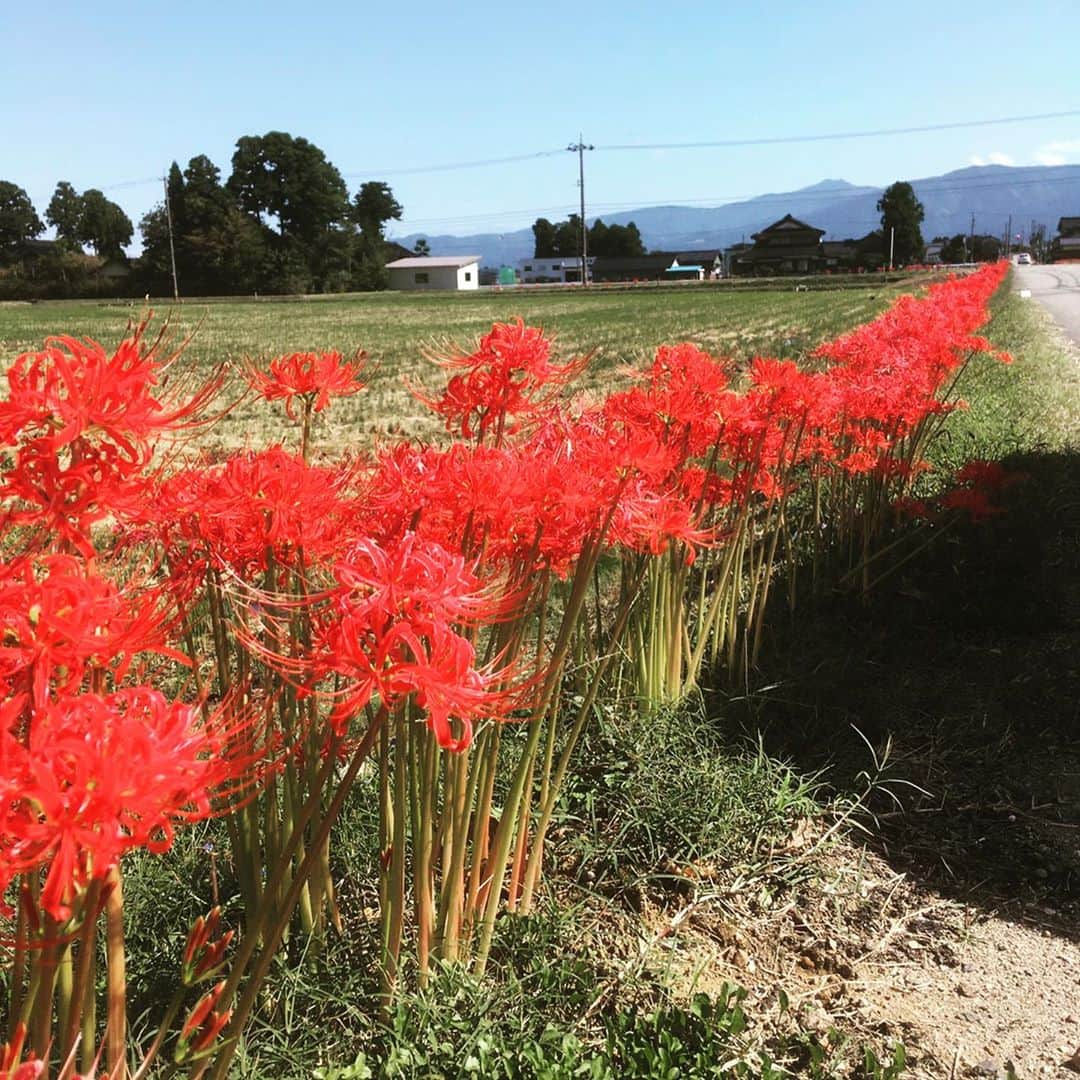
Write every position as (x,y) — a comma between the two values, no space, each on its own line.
(1042,193)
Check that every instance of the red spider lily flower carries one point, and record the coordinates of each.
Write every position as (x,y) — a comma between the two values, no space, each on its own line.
(390,630)
(507,379)
(249,509)
(97,776)
(82,425)
(202,1027)
(652,521)
(312,377)
(59,620)
(74,388)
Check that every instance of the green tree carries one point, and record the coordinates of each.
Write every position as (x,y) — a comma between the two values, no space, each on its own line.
(103,225)
(373,206)
(288,179)
(568,237)
(220,250)
(616,241)
(18,221)
(902,212)
(955,249)
(543,239)
(422,247)
(63,213)
(288,184)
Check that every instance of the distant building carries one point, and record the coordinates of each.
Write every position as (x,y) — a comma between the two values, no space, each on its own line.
(933,253)
(840,255)
(659,266)
(711,262)
(551,270)
(420,273)
(733,257)
(787,246)
(1066,245)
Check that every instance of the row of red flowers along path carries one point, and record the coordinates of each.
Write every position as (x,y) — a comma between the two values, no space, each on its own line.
(393,604)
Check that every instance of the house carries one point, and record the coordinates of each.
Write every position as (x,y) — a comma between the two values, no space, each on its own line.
(787,246)
(432,272)
(839,255)
(733,257)
(711,262)
(551,269)
(1066,245)
(631,267)
(933,253)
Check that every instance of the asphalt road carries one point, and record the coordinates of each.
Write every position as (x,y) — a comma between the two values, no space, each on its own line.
(1057,288)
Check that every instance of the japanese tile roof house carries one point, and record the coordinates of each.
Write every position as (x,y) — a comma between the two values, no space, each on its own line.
(1066,245)
(787,246)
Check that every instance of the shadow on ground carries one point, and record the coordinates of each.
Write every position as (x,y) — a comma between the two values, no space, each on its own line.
(969,660)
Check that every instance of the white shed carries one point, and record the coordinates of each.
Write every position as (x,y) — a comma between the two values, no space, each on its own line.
(454,272)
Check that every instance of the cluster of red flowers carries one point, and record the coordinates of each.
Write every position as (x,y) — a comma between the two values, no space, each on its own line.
(382,568)
(87,772)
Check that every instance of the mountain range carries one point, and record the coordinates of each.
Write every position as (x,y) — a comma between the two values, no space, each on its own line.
(1039,193)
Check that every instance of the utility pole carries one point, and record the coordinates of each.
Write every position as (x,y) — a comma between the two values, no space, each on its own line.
(172,250)
(971,249)
(1008,238)
(579,148)
(892,239)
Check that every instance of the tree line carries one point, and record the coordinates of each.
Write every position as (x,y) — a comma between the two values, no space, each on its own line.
(553,240)
(282,222)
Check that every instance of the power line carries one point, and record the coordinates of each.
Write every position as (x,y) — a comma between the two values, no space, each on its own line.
(482,163)
(696,144)
(717,201)
(836,135)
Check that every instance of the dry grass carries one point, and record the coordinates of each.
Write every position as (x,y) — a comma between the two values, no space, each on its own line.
(621,328)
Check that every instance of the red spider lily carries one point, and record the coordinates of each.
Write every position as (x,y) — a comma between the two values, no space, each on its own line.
(58,620)
(507,379)
(74,388)
(389,629)
(249,509)
(313,377)
(97,776)
(82,425)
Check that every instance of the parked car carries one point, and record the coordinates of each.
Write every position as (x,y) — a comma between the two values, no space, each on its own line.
(1023,259)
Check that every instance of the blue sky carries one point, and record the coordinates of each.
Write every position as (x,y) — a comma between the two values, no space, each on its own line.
(108,95)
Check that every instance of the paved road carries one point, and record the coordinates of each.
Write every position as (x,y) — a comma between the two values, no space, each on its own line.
(1057,288)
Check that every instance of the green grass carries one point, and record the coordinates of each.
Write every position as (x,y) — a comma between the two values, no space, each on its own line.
(622,328)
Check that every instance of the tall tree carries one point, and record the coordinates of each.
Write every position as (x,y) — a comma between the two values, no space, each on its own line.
(18,220)
(289,179)
(103,225)
(902,212)
(544,239)
(219,249)
(289,183)
(373,206)
(64,213)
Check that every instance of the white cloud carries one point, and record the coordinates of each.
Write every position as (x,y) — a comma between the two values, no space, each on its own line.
(995,157)
(1058,152)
